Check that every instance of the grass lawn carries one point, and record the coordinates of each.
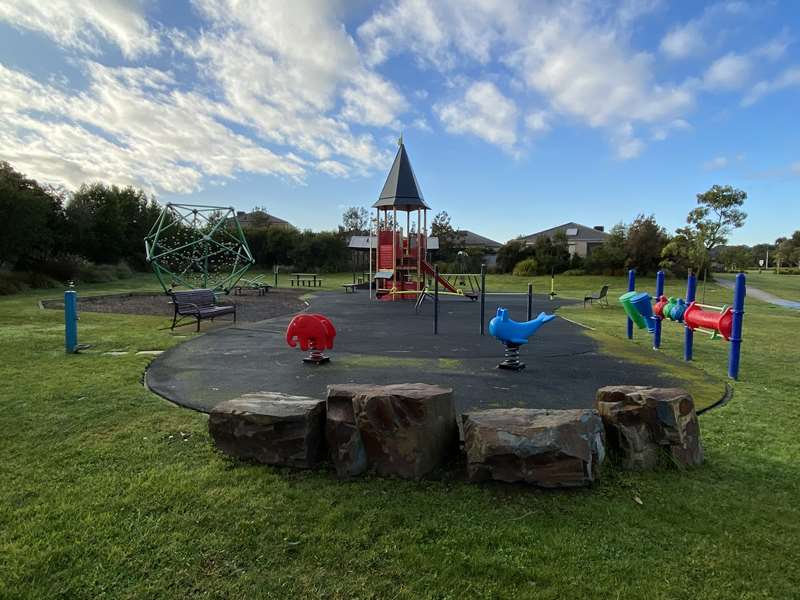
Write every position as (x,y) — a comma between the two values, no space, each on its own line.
(783,286)
(108,491)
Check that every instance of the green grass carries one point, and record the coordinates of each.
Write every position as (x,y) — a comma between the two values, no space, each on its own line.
(783,286)
(107,491)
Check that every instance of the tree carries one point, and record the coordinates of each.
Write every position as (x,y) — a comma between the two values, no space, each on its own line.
(509,254)
(735,258)
(32,223)
(611,256)
(450,240)
(788,249)
(355,220)
(717,214)
(644,241)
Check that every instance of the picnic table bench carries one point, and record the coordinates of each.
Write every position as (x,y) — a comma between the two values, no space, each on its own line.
(199,304)
(350,288)
(305,279)
(257,284)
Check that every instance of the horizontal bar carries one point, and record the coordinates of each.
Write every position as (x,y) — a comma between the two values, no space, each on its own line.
(711,306)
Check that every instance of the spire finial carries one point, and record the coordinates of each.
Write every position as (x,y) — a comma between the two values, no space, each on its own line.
(400,139)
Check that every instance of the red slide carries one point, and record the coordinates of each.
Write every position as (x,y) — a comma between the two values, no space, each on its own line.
(428,270)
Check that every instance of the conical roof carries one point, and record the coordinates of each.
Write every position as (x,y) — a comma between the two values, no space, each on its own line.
(401,190)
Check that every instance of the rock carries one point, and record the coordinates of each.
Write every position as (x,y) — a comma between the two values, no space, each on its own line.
(271,428)
(346,449)
(406,430)
(647,424)
(548,448)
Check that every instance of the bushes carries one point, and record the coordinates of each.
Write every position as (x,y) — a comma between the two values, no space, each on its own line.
(525,268)
(12,282)
(574,272)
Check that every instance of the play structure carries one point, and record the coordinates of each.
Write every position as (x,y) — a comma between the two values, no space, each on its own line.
(717,321)
(513,334)
(198,247)
(401,262)
(314,333)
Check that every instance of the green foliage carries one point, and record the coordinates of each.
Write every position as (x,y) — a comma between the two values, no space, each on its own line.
(526,267)
(450,240)
(324,251)
(12,282)
(574,273)
(735,258)
(788,249)
(644,241)
(508,255)
(609,258)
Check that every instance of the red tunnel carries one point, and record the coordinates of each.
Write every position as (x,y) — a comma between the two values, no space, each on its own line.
(695,317)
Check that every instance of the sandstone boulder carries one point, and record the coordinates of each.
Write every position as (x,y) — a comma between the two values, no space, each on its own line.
(271,428)
(645,425)
(548,448)
(407,430)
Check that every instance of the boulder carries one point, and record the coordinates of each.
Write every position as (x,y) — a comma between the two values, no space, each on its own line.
(271,428)
(548,448)
(345,446)
(645,425)
(407,430)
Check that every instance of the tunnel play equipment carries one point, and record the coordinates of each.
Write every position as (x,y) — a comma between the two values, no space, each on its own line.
(715,321)
(718,321)
(313,333)
(192,246)
(513,334)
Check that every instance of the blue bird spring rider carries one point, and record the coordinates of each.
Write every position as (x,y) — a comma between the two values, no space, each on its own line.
(513,334)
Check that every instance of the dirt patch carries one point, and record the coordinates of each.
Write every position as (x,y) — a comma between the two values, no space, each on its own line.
(250,307)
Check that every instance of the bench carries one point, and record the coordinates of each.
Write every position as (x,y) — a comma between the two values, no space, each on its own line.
(199,304)
(350,288)
(306,281)
(602,297)
(261,288)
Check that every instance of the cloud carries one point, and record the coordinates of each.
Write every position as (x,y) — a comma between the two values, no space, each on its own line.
(683,41)
(537,121)
(716,163)
(729,72)
(787,79)
(483,112)
(78,24)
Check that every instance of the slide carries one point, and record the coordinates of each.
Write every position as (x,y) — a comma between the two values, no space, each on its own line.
(428,270)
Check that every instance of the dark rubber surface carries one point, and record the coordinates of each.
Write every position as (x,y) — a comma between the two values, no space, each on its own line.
(386,342)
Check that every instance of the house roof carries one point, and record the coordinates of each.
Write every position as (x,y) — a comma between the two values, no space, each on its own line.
(574,232)
(473,239)
(265,218)
(401,189)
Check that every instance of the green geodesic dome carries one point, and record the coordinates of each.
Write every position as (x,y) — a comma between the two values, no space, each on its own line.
(192,246)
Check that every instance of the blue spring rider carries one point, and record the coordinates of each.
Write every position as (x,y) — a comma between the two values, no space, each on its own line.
(513,334)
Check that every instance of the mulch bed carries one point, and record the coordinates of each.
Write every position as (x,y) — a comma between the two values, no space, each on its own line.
(250,307)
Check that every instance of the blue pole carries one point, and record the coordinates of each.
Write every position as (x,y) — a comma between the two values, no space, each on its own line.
(688,334)
(436,300)
(659,293)
(739,292)
(71,321)
(631,288)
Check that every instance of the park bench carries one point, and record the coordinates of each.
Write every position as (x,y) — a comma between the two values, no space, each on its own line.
(256,283)
(199,304)
(601,297)
(349,288)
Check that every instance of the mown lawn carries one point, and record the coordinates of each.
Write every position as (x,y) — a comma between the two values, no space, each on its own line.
(783,286)
(108,491)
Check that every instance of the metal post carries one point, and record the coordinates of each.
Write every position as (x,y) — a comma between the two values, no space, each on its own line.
(688,334)
(739,293)
(483,297)
(275,270)
(71,321)
(659,293)
(631,288)
(530,301)
(436,300)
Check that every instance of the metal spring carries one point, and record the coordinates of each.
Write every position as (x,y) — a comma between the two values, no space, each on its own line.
(316,355)
(511,354)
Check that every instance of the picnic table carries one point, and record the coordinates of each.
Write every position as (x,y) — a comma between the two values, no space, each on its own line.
(305,279)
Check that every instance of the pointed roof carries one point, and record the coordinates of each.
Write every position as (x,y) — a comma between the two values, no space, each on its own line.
(401,189)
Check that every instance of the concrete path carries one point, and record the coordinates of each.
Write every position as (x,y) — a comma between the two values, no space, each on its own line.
(760,294)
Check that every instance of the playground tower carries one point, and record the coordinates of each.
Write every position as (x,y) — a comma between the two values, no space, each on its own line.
(400,254)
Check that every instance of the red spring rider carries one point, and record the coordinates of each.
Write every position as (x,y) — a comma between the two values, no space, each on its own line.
(716,322)
(314,333)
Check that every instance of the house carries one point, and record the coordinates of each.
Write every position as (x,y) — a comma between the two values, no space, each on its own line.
(581,239)
(474,240)
(258,219)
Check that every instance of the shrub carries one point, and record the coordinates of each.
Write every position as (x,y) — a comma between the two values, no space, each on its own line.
(62,267)
(526,267)
(122,270)
(574,272)
(91,273)
(12,282)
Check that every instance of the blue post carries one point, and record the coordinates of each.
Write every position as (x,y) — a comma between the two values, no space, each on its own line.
(436,300)
(71,321)
(659,293)
(739,292)
(631,288)
(688,334)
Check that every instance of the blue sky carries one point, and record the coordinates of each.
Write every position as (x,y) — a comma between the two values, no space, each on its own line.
(517,115)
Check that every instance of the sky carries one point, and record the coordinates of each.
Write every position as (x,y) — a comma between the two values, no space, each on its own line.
(517,115)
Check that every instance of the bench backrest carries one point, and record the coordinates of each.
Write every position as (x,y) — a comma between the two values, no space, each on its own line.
(190,299)
(603,291)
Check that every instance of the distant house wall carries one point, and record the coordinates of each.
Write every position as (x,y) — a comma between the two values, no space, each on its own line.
(581,239)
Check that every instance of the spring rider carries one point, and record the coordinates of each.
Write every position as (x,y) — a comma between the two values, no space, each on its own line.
(314,333)
(513,334)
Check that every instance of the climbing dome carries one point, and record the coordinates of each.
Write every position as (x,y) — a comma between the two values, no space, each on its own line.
(192,246)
